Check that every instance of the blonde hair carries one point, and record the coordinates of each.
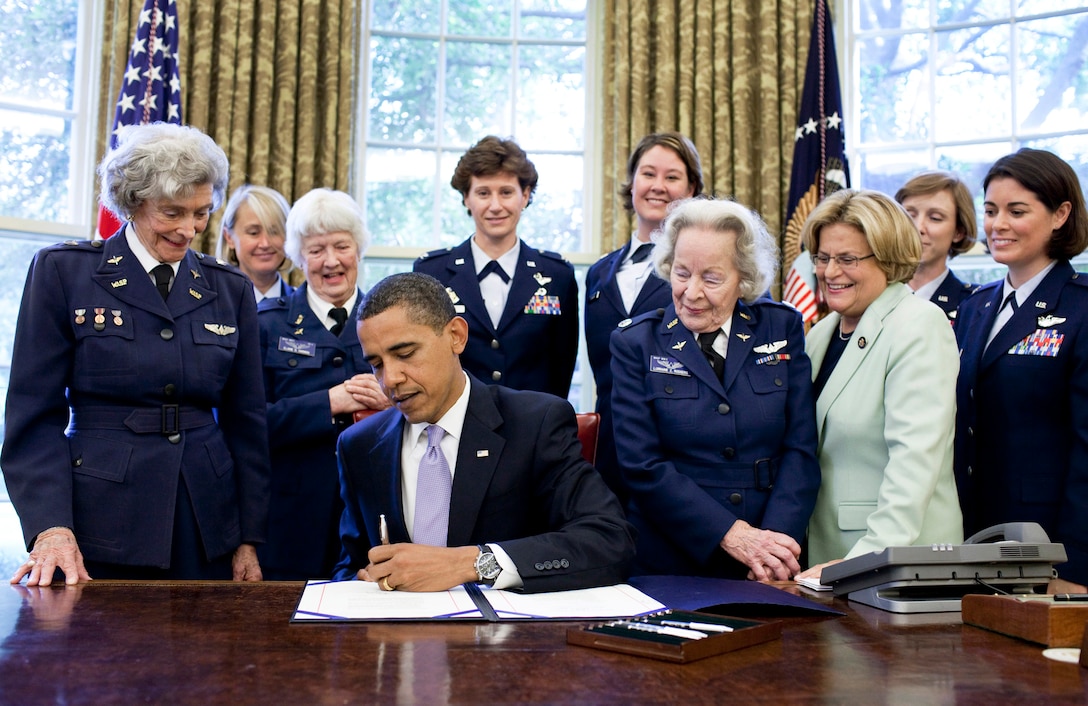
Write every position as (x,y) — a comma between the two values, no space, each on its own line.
(268,205)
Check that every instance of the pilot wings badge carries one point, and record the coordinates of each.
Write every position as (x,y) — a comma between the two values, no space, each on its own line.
(1048,321)
(220,329)
(541,279)
(770,347)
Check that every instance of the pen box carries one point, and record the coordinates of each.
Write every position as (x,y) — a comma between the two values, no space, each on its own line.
(614,636)
(1050,623)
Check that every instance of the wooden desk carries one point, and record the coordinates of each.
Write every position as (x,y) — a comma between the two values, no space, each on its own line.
(232,644)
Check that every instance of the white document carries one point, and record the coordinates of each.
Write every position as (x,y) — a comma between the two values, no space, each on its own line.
(363,600)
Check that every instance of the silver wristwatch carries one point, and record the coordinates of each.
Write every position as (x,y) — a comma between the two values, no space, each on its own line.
(487,566)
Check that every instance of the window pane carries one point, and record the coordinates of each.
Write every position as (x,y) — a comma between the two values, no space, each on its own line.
(887,171)
(553,19)
(477,91)
(973,80)
(881,14)
(1037,7)
(481,18)
(38,52)
(456,223)
(893,88)
(420,16)
(1072,148)
(403,79)
(400,196)
(551,102)
(554,220)
(34,180)
(1052,75)
(958,11)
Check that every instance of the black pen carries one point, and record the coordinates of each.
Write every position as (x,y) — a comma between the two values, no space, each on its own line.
(1071,596)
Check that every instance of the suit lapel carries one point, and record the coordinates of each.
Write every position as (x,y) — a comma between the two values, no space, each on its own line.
(609,289)
(121,274)
(478,452)
(384,482)
(526,280)
(740,342)
(190,290)
(1025,321)
(861,342)
(465,286)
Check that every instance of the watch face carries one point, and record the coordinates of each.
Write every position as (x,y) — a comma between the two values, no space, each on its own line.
(487,567)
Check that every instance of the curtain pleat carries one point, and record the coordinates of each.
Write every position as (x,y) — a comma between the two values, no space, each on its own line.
(271,81)
(726,73)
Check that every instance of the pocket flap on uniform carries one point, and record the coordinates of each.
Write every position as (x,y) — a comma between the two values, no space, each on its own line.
(854,515)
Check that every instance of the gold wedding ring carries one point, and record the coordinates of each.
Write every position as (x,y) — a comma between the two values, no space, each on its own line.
(384,583)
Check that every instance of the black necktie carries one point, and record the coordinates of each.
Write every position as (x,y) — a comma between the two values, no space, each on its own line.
(162,274)
(644,251)
(706,344)
(1011,301)
(490,267)
(339,314)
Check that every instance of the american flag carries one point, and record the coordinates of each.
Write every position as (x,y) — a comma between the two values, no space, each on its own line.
(151,88)
(819,156)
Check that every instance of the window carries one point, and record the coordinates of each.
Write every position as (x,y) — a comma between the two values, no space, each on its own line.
(440,75)
(955,84)
(46,139)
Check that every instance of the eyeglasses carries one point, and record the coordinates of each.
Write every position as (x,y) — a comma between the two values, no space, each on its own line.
(845,262)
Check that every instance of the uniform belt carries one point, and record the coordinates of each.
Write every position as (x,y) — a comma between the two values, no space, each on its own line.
(166,419)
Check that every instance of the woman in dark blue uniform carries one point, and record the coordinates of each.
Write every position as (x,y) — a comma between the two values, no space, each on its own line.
(716,437)
(1022,394)
(944,213)
(315,379)
(663,168)
(152,350)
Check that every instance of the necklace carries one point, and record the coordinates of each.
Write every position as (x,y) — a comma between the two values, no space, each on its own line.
(843,337)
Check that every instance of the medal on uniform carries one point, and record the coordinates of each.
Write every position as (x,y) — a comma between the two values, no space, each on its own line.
(99,318)
(116,317)
(81,316)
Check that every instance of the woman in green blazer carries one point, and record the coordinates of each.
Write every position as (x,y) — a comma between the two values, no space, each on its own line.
(884,364)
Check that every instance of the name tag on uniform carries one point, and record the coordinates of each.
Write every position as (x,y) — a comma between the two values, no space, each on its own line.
(668,366)
(293,345)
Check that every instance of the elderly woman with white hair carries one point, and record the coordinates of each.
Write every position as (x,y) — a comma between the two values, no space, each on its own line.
(714,413)
(315,379)
(135,445)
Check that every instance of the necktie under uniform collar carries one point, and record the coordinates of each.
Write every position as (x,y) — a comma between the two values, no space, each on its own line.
(493,267)
(162,273)
(339,315)
(643,252)
(706,344)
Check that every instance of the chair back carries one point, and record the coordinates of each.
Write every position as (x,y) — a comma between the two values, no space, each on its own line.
(588,424)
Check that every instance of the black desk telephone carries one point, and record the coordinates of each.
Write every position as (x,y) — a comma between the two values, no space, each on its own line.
(1012,558)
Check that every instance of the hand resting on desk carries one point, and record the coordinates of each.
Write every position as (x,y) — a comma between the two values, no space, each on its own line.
(419,567)
(771,556)
(814,572)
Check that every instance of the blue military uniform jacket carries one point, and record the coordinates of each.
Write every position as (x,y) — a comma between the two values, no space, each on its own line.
(302,360)
(949,295)
(158,392)
(699,454)
(520,481)
(535,345)
(604,310)
(1022,413)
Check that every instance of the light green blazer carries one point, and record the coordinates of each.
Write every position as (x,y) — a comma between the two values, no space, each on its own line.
(886,421)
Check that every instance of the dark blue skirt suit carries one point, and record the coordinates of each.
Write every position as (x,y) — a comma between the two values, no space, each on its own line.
(699,454)
(302,360)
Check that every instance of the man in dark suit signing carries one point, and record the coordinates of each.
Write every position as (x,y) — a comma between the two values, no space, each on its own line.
(476,483)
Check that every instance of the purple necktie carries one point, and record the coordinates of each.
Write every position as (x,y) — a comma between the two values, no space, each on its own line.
(433,493)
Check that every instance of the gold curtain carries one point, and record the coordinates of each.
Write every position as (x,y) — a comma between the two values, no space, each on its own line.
(726,73)
(271,81)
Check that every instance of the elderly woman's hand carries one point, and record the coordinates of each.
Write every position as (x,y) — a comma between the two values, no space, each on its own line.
(244,564)
(771,556)
(55,548)
(358,392)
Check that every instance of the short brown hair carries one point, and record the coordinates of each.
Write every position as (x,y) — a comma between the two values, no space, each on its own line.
(674,141)
(886,226)
(1053,182)
(934,182)
(491,156)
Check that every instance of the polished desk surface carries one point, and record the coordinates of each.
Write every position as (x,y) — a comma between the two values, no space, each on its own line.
(211,643)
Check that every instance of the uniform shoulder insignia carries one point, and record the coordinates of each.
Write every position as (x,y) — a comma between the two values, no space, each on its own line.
(199,255)
(970,286)
(1079,278)
(277,304)
(217,264)
(78,246)
(552,255)
(649,316)
(433,254)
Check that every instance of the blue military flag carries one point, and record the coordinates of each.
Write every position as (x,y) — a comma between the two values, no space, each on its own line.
(819,157)
(151,88)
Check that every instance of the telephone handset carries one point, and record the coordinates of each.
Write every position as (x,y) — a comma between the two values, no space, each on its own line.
(1030,532)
